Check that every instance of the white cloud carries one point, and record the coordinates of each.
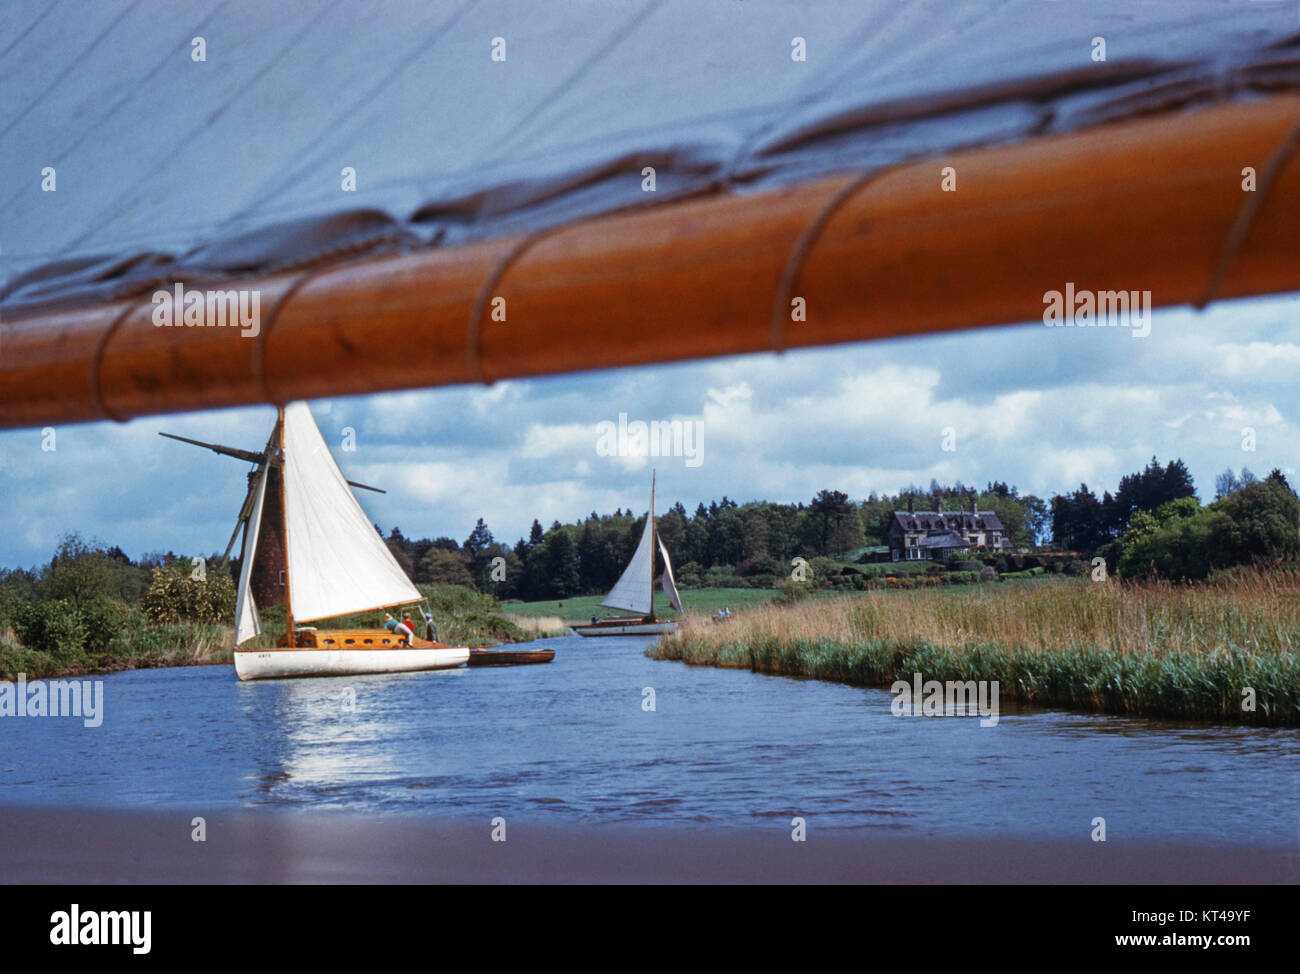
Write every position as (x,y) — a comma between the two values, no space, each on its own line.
(1028,408)
(1259,361)
(548,441)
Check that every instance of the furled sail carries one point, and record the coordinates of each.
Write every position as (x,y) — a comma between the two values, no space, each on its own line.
(337,561)
(247,623)
(670,586)
(634,588)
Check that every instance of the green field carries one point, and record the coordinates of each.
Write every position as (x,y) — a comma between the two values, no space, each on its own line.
(704,601)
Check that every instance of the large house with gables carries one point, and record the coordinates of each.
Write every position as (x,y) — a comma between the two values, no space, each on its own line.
(944,535)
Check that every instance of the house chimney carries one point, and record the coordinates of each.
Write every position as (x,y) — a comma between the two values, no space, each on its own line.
(973,501)
(911,505)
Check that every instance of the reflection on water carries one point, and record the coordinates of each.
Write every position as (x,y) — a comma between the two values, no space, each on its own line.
(326,735)
(570,742)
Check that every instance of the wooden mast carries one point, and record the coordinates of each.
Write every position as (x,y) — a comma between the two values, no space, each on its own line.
(653,551)
(284,527)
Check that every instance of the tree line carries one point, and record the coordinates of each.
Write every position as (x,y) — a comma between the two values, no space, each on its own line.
(1155,526)
(724,543)
(1152,524)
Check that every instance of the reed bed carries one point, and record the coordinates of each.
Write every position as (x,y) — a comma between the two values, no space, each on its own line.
(541,627)
(1156,649)
(144,647)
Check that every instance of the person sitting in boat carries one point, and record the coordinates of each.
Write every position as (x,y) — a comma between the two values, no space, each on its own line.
(397,628)
(406,621)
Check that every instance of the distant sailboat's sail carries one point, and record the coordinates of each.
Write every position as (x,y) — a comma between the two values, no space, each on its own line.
(247,623)
(337,561)
(670,585)
(635,587)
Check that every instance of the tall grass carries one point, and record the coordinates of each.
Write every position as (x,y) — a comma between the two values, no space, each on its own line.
(135,647)
(542,627)
(1153,649)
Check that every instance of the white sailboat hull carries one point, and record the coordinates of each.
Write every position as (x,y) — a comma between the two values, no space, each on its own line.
(270,664)
(631,628)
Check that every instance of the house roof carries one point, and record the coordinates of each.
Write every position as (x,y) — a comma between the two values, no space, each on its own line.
(947,521)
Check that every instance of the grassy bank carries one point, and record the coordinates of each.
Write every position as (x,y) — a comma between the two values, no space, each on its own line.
(463,616)
(1156,649)
(137,646)
(704,601)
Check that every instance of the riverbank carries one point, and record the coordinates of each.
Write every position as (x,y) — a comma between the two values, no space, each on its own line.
(1228,650)
(464,618)
(148,647)
(86,846)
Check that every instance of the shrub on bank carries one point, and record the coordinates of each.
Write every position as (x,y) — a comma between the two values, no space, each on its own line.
(56,636)
(791,591)
(53,627)
(105,621)
(689,574)
(1034,572)
(175,595)
(468,617)
(720,576)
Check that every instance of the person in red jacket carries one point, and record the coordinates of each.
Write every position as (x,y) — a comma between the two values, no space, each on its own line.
(398,629)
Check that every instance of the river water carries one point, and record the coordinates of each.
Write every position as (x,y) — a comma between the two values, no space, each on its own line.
(573,742)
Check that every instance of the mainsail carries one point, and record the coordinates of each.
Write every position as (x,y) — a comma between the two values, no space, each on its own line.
(247,623)
(670,586)
(337,562)
(635,587)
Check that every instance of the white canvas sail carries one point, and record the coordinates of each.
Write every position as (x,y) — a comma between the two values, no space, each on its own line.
(669,584)
(633,590)
(337,562)
(247,623)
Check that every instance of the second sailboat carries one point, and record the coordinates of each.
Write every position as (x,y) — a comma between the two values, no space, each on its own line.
(634,591)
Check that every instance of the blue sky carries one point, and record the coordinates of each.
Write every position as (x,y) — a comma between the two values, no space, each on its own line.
(1043,408)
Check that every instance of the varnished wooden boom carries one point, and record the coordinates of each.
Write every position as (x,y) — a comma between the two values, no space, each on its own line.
(1144,205)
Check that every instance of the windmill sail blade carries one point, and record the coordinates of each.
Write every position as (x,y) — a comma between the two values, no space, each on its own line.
(670,585)
(247,623)
(632,592)
(229,451)
(337,562)
(254,495)
(250,456)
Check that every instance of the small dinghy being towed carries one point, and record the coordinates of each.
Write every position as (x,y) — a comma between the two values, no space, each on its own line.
(322,549)
(509,657)
(635,590)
